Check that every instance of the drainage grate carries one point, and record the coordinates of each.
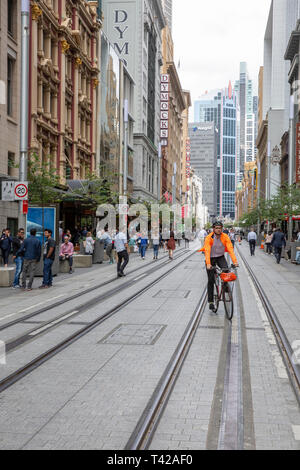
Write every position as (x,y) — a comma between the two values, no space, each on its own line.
(172,294)
(134,335)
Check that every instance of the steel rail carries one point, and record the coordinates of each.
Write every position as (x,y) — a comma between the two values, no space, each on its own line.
(73,312)
(80,294)
(143,434)
(44,357)
(281,338)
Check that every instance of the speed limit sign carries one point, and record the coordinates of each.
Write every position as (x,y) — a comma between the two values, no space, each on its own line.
(21,191)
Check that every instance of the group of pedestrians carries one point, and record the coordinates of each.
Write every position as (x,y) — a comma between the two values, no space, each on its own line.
(275,242)
(27,253)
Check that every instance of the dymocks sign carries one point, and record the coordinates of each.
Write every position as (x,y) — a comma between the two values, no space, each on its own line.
(164,108)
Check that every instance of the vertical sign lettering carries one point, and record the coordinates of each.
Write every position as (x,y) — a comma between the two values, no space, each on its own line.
(164,108)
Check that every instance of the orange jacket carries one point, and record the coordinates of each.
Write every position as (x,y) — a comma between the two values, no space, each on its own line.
(209,241)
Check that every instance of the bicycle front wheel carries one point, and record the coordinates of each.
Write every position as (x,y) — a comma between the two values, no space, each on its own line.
(228,300)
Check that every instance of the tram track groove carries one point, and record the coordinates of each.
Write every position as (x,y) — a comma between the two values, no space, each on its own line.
(144,431)
(80,294)
(282,341)
(44,357)
(18,341)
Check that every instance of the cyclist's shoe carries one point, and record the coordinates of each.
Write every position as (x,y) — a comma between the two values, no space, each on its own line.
(212,307)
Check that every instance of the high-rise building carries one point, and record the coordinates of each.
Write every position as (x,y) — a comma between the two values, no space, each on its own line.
(228,152)
(223,110)
(247,134)
(168,11)
(134,28)
(10,40)
(203,140)
(276,90)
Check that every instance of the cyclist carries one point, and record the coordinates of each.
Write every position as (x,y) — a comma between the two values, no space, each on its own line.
(216,244)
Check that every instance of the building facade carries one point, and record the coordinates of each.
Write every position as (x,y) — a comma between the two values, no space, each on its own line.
(276,89)
(248,119)
(185,159)
(64,79)
(134,28)
(10,73)
(172,152)
(228,152)
(203,141)
(167,6)
(117,86)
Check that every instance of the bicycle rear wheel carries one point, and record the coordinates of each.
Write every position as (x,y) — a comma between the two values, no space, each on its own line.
(228,300)
(217,291)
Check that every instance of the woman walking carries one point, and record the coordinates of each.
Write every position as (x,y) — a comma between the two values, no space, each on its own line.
(5,245)
(89,244)
(171,245)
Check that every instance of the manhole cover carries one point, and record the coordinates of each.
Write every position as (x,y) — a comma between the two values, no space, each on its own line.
(172,294)
(134,334)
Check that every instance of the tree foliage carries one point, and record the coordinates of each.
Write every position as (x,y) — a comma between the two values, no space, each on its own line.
(43,182)
(284,204)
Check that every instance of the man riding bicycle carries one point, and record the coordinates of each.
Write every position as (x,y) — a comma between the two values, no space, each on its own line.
(215,247)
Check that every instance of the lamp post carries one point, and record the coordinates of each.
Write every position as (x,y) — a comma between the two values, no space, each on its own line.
(125,147)
(25,8)
(291,157)
(269,177)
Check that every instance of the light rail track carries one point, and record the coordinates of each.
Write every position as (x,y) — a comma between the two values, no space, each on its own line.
(144,432)
(281,338)
(47,355)
(87,291)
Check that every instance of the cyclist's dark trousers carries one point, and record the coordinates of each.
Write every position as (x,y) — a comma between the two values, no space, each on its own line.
(278,253)
(252,244)
(222,263)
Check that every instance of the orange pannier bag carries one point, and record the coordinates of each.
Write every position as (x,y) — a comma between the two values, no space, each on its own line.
(228,277)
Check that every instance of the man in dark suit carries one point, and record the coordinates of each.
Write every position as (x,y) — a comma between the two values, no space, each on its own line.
(278,242)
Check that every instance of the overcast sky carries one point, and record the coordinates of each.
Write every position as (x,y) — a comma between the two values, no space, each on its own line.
(212,37)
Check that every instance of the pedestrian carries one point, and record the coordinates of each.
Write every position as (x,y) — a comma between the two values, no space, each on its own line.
(49,257)
(202,235)
(268,242)
(144,245)
(156,243)
(18,259)
(226,231)
(84,232)
(89,244)
(108,246)
(252,239)
(186,241)
(76,237)
(31,249)
(232,236)
(5,245)
(121,248)
(278,242)
(66,253)
(171,245)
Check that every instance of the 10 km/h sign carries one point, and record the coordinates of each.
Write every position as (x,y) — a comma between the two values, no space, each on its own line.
(21,191)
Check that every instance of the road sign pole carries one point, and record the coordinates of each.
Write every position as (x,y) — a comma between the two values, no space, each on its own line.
(25,8)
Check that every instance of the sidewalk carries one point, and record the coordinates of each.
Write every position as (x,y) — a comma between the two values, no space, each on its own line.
(281,282)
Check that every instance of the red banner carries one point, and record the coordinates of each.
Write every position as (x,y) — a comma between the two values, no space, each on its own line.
(25,207)
(298,152)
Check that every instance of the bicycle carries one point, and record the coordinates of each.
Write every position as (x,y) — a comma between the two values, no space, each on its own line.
(223,290)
